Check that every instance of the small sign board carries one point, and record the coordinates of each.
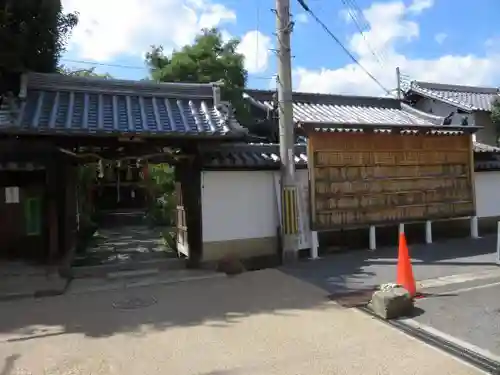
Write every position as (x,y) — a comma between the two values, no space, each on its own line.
(12,194)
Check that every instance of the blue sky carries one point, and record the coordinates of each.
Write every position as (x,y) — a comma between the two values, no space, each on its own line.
(434,40)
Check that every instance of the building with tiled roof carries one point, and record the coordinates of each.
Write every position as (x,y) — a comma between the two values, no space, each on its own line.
(460,104)
(346,110)
(266,156)
(51,104)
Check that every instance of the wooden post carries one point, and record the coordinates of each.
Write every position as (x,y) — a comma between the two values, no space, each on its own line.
(498,243)
(314,245)
(428,232)
(474,231)
(190,174)
(373,239)
(52,212)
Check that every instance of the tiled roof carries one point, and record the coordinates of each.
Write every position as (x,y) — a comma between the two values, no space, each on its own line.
(346,110)
(264,156)
(267,156)
(487,165)
(21,166)
(468,98)
(481,147)
(78,105)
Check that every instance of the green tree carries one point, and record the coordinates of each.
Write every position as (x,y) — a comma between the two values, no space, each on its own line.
(33,34)
(495,116)
(90,72)
(208,59)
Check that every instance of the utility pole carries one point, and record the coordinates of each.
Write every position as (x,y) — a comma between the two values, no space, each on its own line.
(289,206)
(398,77)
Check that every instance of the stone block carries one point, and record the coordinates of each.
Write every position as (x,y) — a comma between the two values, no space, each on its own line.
(391,303)
(230,265)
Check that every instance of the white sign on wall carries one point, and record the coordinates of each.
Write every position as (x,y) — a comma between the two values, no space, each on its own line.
(12,194)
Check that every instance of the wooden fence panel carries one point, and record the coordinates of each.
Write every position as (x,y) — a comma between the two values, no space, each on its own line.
(364,179)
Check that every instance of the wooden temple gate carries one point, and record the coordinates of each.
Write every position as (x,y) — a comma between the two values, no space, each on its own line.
(57,122)
(361,179)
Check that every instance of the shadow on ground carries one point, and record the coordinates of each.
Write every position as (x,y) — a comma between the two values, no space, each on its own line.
(363,269)
(9,364)
(125,244)
(219,302)
(223,302)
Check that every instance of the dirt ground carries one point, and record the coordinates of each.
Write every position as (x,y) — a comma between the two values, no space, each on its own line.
(263,322)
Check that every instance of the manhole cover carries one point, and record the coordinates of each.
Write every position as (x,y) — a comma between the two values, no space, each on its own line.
(134,303)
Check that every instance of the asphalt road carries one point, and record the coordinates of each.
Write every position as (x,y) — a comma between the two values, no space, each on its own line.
(364,269)
(468,311)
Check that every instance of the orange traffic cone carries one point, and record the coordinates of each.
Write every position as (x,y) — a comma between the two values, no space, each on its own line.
(405,272)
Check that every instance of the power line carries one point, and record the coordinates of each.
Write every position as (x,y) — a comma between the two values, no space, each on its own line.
(104,64)
(352,12)
(129,66)
(337,40)
(329,32)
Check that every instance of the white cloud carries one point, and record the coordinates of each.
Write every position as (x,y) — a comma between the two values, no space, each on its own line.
(109,28)
(226,36)
(301,18)
(389,28)
(440,38)
(419,6)
(256,47)
(347,15)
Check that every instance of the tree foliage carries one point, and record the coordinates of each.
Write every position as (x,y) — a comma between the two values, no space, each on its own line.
(33,34)
(90,72)
(208,59)
(495,113)
(495,116)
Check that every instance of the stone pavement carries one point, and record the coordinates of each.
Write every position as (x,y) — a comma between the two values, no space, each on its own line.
(263,322)
(126,244)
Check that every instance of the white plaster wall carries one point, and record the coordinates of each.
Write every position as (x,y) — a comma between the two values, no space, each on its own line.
(487,186)
(442,109)
(486,135)
(243,205)
(240,204)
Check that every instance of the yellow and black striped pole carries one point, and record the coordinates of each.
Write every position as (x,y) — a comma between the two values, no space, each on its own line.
(290,211)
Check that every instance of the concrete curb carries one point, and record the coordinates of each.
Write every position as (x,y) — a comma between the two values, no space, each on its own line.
(42,293)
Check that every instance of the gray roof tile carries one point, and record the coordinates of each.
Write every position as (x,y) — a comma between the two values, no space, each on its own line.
(340,109)
(468,98)
(481,147)
(265,156)
(234,156)
(75,105)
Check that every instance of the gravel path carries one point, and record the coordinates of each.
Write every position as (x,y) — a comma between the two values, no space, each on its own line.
(263,322)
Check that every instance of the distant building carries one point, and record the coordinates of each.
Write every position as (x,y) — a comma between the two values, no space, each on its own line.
(460,105)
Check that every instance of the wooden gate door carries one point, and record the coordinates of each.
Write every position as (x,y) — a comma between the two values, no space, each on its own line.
(180,222)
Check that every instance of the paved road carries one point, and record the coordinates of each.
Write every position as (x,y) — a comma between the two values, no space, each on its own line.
(468,311)
(258,323)
(364,269)
(470,316)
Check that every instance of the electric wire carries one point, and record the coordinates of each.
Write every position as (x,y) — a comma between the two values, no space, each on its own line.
(352,12)
(339,42)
